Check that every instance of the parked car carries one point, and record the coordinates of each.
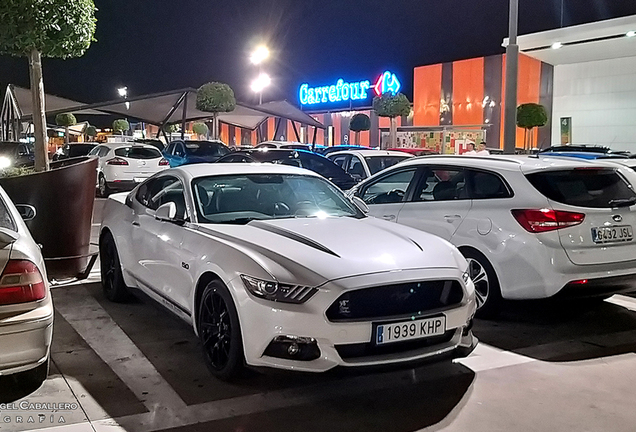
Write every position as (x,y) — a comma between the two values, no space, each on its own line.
(361,164)
(583,155)
(16,154)
(327,150)
(419,151)
(152,141)
(73,150)
(123,165)
(26,309)
(299,158)
(284,145)
(585,148)
(530,227)
(267,264)
(182,152)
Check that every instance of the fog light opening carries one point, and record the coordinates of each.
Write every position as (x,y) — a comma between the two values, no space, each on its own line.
(293,348)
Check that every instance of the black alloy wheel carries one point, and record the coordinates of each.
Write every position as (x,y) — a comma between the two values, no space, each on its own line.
(219,332)
(487,290)
(113,284)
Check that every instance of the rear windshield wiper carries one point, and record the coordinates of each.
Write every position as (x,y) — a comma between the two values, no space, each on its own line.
(622,202)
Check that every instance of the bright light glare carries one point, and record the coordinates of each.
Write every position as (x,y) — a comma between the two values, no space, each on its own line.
(556,45)
(5,162)
(123,91)
(261,82)
(259,55)
(631,33)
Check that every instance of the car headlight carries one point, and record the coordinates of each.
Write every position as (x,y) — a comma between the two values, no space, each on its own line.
(278,292)
(5,162)
(466,277)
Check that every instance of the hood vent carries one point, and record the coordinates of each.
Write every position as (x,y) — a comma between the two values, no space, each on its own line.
(292,236)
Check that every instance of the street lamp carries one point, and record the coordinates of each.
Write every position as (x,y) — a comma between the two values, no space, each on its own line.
(123,91)
(259,55)
(260,83)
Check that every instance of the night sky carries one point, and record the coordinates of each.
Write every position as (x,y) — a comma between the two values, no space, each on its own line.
(158,45)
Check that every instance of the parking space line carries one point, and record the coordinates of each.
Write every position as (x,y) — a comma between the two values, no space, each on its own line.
(486,357)
(624,301)
(112,345)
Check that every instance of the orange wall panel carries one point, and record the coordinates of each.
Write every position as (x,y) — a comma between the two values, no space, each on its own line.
(271,128)
(237,135)
(468,92)
(224,133)
(427,90)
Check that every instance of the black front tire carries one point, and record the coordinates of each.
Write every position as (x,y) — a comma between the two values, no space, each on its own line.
(113,284)
(220,332)
(487,288)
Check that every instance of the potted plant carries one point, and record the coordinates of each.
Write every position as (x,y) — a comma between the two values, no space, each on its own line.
(358,123)
(389,105)
(66,120)
(529,116)
(215,97)
(63,193)
(200,129)
(121,126)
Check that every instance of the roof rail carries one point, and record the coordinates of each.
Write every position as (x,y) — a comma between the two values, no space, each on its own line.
(499,158)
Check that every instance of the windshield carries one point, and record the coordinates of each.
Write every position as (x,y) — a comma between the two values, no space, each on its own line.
(203,148)
(241,198)
(138,152)
(378,163)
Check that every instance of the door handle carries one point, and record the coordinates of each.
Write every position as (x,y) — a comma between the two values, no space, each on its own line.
(451,218)
(135,223)
(388,217)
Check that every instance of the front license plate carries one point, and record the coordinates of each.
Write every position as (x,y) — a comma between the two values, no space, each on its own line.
(612,234)
(409,330)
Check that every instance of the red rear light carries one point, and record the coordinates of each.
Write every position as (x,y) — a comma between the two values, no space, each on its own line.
(21,282)
(536,221)
(163,162)
(116,161)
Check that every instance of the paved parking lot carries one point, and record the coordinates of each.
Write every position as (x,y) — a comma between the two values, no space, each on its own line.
(542,366)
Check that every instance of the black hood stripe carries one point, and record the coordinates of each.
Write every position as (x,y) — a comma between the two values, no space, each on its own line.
(292,236)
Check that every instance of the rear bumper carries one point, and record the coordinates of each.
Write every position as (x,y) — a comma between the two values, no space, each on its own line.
(598,287)
(122,186)
(26,339)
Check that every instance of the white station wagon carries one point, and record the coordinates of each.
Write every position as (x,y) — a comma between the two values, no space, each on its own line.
(530,227)
(273,266)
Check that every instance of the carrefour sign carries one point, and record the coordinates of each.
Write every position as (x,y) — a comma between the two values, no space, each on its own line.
(342,90)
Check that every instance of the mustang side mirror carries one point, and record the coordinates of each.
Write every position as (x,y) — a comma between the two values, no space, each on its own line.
(166,212)
(26,211)
(364,208)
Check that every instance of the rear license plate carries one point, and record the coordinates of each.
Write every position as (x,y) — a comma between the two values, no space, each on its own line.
(612,234)
(409,330)
(139,179)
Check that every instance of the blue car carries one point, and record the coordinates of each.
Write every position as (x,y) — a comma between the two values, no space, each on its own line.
(583,155)
(326,150)
(183,152)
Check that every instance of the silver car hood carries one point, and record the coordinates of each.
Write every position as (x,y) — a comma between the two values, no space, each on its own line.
(315,250)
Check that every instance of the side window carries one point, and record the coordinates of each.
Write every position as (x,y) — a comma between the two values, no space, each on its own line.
(441,184)
(170,149)
(339,160)
(485,185)
(93,152)
(389,189)
(156,192)
(179,150)
(103,151)
(355,168)
(6,221)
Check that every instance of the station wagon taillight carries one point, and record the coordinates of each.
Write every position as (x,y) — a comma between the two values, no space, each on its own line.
(543,220)
(163,162)
(21,282)
(116,161)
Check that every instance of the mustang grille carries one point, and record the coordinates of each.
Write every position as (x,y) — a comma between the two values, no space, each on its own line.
(391,301)
(361,350)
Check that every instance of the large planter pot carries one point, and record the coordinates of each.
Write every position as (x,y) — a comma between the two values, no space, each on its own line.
(63,198)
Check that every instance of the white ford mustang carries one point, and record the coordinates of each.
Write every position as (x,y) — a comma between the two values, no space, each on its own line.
(273,266)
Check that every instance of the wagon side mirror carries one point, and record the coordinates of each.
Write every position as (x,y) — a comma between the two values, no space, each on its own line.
(364,208)
(166,212)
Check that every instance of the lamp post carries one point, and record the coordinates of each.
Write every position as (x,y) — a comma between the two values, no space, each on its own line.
(259,84)
(512,67)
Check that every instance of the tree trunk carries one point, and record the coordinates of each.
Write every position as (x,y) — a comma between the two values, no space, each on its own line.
(525,139)
(215,126)
(39,118)
(66,134)
(357,138)
(393,133)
